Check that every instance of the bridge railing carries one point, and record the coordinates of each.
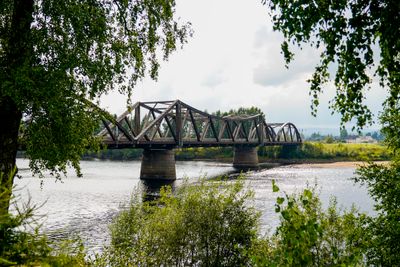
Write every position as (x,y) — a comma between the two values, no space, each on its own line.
(176,124)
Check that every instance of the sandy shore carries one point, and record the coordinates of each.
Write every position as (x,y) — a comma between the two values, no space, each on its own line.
(340,164)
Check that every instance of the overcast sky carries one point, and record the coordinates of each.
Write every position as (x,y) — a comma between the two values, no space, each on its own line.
(234,60)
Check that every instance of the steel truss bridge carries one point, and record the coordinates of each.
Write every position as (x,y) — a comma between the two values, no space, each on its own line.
(171,124)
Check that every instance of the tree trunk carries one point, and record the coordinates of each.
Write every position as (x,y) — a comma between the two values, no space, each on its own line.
(19,53)
(10,120)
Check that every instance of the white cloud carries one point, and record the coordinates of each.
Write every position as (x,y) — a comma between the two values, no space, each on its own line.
(214,78)
(271,68)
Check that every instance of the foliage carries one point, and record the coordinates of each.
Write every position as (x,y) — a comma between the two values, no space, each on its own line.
(22,244)
(350,36)
(391,125)
(343,134)
(383,183)
(56,55)
(115,154)
(204,153)
(316,137)
(309,236)
(209,224)
(180,153)
(329,139)
(315,150)
(240,111)
(307,151)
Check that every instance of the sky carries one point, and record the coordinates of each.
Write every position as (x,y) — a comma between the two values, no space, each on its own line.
(233,60)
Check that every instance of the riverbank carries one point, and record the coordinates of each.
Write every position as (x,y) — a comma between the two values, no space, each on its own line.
(308,152)
(339,164)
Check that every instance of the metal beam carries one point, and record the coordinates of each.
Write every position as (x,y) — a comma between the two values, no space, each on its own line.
(240,130)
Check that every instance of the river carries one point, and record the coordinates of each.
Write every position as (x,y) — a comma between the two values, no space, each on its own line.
(85,206)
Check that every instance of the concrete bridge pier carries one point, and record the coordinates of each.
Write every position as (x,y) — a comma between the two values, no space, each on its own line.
(158,164)
(245,157)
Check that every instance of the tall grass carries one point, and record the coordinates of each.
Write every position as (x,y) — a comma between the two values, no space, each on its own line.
(340,151)
(22,244)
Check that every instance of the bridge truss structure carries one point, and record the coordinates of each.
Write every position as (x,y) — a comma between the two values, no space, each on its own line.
(170,124)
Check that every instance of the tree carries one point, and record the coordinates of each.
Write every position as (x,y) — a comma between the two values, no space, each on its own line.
(56,55)
(240,112)
(329,139)
(316,137)
(343,134)
(308,235)
(350,34)
(376,135)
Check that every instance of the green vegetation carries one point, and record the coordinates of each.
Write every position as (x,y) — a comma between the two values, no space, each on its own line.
(344,136)
(21,243)
(115,154)
(310,236)
(213,224)
(240,112)
(383,184)
(308,151)
(217,153)
(357,39)
(351,34)
(78,50)
(59,56)
(209,224)
(324,151)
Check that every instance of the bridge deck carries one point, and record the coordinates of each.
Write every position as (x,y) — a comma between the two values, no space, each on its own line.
(172,144)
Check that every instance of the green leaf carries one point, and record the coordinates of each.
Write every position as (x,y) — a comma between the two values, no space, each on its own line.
(307,193)
(275,188)
(5,262)
(277,208)
(285,215)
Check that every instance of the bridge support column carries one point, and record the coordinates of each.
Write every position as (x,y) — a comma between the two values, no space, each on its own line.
(245,158)
(158,164)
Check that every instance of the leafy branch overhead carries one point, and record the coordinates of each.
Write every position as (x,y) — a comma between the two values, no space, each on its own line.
(53,53)
(351,36)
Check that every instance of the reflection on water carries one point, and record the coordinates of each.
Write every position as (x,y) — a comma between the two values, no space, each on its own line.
(85,206)
(151,188)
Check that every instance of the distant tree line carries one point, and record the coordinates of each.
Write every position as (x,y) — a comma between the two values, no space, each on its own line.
(343,136)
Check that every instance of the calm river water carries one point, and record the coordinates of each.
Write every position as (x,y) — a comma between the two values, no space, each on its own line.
(85,206)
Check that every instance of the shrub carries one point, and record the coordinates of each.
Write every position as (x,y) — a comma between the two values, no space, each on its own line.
(22,244)
(202,225)
(383,184)
(309,236)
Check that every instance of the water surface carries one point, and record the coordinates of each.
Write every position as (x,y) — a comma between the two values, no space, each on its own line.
(85,206)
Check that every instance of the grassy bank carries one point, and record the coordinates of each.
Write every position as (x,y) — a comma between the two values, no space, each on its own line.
(309,151)
(313,151)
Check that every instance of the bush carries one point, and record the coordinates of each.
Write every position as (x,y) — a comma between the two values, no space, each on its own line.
(202,225)
(383,184)
(22,244)
(309,236)
(317,150)
(203,153)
